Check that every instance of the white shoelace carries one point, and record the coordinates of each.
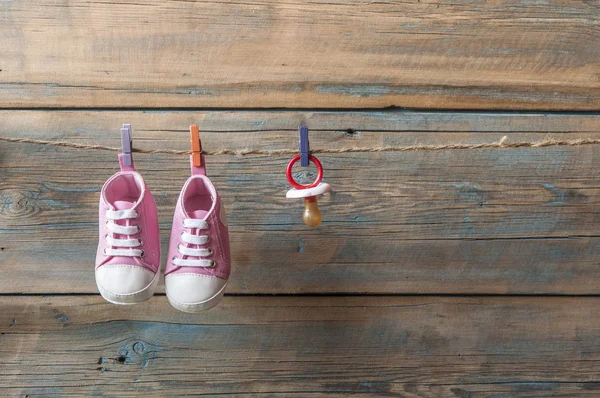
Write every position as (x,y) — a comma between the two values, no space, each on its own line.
(113,228)
(192,239)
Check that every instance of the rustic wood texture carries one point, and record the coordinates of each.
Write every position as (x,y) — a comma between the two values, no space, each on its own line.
(468,54)
(426,277)
(495,221)
(302,347)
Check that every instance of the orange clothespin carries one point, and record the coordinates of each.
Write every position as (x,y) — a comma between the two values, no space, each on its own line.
(196,146)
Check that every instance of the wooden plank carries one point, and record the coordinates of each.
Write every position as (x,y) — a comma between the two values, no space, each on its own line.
(518,221)
(503,54)
(249,346)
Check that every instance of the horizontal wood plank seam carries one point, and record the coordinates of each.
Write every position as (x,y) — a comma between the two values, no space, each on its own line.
(387,109)
(336,294)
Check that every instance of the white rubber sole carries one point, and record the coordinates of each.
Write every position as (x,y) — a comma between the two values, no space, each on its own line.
(198,307)
(131,298)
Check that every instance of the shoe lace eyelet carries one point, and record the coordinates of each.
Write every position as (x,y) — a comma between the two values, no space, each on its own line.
(212,264)
(210,251)
(143,254)
(137,215)
(140,241)
(104,252)
(139,229)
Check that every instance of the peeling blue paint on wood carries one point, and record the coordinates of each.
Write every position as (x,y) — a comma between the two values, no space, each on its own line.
(71,189)
(365,90)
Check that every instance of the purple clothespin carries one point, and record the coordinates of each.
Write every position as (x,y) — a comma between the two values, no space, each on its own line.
(126,145)
(304,147)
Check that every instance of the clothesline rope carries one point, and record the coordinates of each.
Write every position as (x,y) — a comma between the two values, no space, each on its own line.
(501,144)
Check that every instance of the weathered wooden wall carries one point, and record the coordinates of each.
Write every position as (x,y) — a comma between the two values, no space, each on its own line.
(456,273)
(299,347)
(472,221)
(501,54)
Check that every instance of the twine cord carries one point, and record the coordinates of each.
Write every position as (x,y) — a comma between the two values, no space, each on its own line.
(501,144)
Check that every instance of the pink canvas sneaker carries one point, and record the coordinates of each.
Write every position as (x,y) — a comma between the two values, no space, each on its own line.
(128,256)
(198,263)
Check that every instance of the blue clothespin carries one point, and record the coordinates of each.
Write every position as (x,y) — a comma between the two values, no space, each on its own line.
(304,146)
(126,144)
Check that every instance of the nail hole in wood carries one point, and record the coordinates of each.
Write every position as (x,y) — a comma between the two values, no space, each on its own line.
(351,132)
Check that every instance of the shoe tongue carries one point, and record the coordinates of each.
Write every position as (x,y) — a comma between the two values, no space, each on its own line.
(198,214)
(123,204)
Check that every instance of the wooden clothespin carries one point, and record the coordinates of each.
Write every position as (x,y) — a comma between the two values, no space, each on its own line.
(125,157)
(304,146)
(196,146)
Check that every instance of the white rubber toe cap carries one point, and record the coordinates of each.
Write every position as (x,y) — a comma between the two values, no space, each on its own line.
(194,292)
(124,284)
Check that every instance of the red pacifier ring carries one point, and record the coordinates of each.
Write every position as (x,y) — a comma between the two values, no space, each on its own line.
(293,183)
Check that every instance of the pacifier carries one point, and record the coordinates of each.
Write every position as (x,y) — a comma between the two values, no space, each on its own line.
(312,215)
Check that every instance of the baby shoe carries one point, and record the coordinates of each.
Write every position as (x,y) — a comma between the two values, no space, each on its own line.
(128,256)
(198,263)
